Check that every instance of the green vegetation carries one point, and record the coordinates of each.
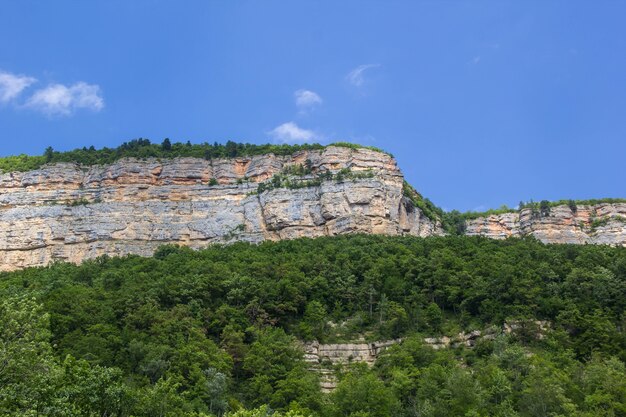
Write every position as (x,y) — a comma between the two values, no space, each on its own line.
(576,203)
(80,202)
(21,163)
(542,206)
(297,176)
(596,223)
(427,207)
(299,170)
(357,146)
(235,231)
(468,215)
(197,333)
(143,148)
(264,411)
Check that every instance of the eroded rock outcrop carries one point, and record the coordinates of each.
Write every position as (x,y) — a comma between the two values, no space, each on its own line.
(71,212)
(326,359)
(323,358)
(597,224)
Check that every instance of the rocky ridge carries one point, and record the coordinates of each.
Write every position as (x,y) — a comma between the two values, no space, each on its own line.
(596,224)
(71,212)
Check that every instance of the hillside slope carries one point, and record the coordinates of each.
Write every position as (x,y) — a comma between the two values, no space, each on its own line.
(200,333)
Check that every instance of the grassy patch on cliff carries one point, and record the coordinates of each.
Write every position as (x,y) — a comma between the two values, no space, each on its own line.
(298,177)
(430,210)
(21,163)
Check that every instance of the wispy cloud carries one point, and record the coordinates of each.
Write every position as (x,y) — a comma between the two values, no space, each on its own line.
(306,99)
(291,133)
(11,85)
(356,77)
(53,100)
(59,99)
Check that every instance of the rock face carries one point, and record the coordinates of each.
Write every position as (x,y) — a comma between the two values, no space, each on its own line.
(599,224)
(322,358)
(71,212)
(344,353)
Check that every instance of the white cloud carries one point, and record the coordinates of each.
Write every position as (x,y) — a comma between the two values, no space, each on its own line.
(305,99)
(291,133)
(12,85)
(356,76)
(58,99)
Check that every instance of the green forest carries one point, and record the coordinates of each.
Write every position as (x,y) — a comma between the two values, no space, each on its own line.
(218,332)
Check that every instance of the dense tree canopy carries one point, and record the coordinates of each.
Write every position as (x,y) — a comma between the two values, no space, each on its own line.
(216,331)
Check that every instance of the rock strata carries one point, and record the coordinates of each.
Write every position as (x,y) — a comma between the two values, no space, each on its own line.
(70,212)
(344,353)
(596,224)
(537,328)
(323,358)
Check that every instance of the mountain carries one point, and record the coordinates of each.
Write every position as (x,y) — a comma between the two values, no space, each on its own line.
(130,200)
(68,211)
(367,319)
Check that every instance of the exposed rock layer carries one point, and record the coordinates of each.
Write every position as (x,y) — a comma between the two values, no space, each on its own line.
(322,358)
(599,224)
(71,212)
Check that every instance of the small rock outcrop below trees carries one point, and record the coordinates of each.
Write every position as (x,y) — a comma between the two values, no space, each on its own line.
(326,358)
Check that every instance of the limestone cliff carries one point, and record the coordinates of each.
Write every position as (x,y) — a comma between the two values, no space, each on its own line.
(599,224)
(71,212)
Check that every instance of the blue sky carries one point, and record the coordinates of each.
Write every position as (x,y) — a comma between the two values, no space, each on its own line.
(483,103)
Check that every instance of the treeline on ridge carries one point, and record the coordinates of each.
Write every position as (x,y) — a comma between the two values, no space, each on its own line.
(144,148)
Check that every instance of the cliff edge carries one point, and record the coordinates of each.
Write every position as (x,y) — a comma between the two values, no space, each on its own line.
(72,212)
(603,223)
